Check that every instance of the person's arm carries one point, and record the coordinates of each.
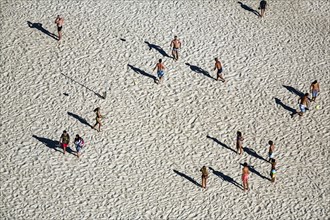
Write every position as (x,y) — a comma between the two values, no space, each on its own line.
(154,68)
(180,44)
(171,44)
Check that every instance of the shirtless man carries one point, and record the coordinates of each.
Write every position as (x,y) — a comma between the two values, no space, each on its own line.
(271,150)
(262,7)
(315,89)
(218,67)
(303,104)
(59,23)
(176,45)
(245,176)
(160,71)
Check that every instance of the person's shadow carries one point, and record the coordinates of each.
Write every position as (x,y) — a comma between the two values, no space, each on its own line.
(253,153)
(188,178)
(225,177)
(80,119)
(248,8)
(288,108)
(294,91)
(253,170)
(197,69)
(39,27)
(220,143)
(52,144)
(143,73)
(158,48)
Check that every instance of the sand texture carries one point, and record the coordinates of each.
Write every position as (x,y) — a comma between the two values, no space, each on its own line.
(145,163)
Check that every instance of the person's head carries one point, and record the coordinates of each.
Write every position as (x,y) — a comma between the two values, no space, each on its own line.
(245,164)
(175,37)
(97,109)
(77,136)
(160,60)
(216,59)
(273,160)
(306,94)
(270,142)
(239,133)
(314,82)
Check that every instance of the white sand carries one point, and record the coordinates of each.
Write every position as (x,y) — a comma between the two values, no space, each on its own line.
(127,170)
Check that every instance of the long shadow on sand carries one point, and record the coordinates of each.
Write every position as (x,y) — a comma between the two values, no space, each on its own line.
(80,119)
(294,91)
(158,48)
(143,73)
(97,94)
(288,108)
(220,143)
(39,27)
(52,144)
(253,170)
(188,178)
(225,178)
(253,153)
(199,70)
(248,8)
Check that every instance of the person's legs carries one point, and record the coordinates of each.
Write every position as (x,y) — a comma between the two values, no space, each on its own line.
(176,55)
(64,147)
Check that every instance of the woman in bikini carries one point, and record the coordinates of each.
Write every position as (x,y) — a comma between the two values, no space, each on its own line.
(245,176)
(239,142)
(205,175)
(98,118)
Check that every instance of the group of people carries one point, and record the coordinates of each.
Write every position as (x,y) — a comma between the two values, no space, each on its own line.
(246,167)
(176,45)
(79,141)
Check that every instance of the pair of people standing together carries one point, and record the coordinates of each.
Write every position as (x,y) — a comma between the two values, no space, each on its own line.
(78,142)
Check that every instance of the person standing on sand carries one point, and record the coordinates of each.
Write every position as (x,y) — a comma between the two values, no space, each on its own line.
(59,23)
(176,45)
(79,143)
(273,170)
(303,104)
(315,90)
(262,8)
(160,71)
(239,143)
(271,150)
(205,175)
(98,118)
(64,140)
(245,176)
(218,67)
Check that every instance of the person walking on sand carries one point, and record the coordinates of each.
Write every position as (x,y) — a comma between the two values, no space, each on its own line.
(218,67)
(205,175)
(315,90)
(271,150)
(79,143)
(176,45)
(239,143)
(273,170)
(303,104)
(98,118)
(64,140)
(160,71)
(59,23)
(262,8)
(245,176)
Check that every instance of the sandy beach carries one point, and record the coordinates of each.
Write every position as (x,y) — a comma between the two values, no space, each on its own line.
(145,163)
